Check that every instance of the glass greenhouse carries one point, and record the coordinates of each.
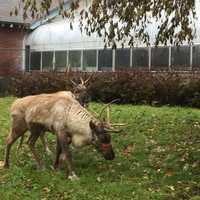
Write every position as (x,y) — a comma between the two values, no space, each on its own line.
(52,45)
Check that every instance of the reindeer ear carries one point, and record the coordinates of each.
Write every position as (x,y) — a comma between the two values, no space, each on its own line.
(92,125)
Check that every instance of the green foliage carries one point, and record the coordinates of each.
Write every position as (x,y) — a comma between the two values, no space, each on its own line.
(157,157)
(126,20)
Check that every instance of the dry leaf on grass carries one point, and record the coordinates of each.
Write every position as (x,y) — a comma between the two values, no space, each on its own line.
(1,164)
(129,150)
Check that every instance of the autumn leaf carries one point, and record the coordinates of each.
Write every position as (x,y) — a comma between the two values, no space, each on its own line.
(1,164)
(168,173)
(46,190)
(171,187)
(98,179)
(128,150)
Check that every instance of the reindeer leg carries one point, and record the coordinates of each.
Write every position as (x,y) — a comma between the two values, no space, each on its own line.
(63,141)
(20,144)
(9,142)
(31,142)
(44,142)
(58,152)
(15,133)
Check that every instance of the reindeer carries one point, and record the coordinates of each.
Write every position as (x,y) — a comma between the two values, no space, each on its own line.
(79,93)
(20,106)
(67,119)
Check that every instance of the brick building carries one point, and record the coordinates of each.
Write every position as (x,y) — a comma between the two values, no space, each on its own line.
(12,32)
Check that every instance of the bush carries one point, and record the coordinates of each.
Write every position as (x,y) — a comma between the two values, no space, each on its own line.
(133,87)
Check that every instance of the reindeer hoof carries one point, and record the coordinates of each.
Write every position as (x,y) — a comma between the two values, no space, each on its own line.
(62,157)
(55,167)
(3,165)
(73,177)
(49,153)
(40,168)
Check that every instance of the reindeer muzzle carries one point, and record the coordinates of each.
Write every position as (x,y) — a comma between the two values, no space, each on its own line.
(107,151)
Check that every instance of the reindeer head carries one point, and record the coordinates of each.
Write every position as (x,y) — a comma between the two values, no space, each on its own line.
(80,91)
(101,130)
(102,140)
(80,87)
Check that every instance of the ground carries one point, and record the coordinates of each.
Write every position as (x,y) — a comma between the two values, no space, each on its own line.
(157,157)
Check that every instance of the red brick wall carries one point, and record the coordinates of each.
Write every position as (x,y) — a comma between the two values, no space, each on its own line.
(11,49)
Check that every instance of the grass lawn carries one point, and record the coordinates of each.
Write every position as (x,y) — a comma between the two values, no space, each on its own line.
(157,157)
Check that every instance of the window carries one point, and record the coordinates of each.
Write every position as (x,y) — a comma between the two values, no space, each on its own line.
(196,56)
(75,59)
(89,59)
(60,59)
(180,56)
(160,57)
(47,60)
(35,60)
(27,57)
(122,58)
(105,59)
(140,57)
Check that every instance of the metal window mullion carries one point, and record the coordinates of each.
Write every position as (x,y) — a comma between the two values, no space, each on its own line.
(54,60)
(191,56)
(170,58)
(29,64)
(113,59)
(67,60)
(81,60)
(131,57)
(97,60)
(149,58)
(41,57)
(24,57)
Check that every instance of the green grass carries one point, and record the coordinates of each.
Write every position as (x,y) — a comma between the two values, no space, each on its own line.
(157,157)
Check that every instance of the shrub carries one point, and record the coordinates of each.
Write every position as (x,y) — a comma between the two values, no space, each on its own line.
(133,87)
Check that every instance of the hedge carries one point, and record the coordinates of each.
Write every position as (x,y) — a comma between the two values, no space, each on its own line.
(132,87)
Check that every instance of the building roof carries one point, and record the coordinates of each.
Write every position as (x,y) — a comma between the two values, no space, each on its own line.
(57,35)
(6,6)
(54,12)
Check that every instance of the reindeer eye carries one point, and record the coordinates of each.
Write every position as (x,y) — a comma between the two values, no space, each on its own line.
(105,138)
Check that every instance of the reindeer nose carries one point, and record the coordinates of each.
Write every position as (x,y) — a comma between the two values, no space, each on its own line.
(110,155)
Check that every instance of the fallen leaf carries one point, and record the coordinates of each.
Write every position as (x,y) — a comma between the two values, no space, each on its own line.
(158,170)
(46,189)
(146,175)
(168,173)
(98,179)
(1,164)
(195,164)
(129,150)
(171,188)
(151,129)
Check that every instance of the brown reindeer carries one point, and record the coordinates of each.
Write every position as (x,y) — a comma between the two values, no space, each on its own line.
(63,115)
(80,91)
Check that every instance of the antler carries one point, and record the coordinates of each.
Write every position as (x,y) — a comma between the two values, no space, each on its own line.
(89,78)
(108,104)
(82,81)
(111,129)
(111,126)
(73,82)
